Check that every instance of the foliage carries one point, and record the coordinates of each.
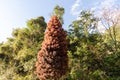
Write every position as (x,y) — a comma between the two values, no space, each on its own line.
(20,50)
(59,11)
(92,55)
(91,58)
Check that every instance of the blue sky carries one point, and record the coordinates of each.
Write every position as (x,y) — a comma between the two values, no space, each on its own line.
(15,13)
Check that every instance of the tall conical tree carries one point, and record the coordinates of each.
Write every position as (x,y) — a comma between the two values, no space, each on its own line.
(52,58)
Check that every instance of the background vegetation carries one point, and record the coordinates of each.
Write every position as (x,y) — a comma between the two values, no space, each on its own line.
(92,55)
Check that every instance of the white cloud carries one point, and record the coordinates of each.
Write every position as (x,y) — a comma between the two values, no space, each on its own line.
(101,28)
(108,3)
(104,4)
(75,7)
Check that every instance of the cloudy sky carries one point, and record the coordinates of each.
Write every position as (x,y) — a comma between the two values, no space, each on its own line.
(15,13)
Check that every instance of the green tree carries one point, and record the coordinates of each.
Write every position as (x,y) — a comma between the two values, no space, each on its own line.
(110,20)
(20,50)
(83,49)
(59,12)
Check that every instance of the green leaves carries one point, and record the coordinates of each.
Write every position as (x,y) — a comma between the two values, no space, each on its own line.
(21,49)
(92,56)
(59,12)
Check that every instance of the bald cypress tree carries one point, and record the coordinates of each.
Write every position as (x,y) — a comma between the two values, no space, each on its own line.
(52,58)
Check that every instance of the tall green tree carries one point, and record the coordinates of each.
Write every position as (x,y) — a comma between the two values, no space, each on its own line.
(59,12)
(83,51)
(83,28)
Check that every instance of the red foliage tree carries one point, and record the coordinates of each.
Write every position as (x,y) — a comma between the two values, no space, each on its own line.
(52,58)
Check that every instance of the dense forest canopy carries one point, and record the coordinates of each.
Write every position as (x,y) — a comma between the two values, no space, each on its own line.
(92,55)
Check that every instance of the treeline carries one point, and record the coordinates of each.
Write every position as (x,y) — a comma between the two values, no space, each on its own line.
(92,55)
